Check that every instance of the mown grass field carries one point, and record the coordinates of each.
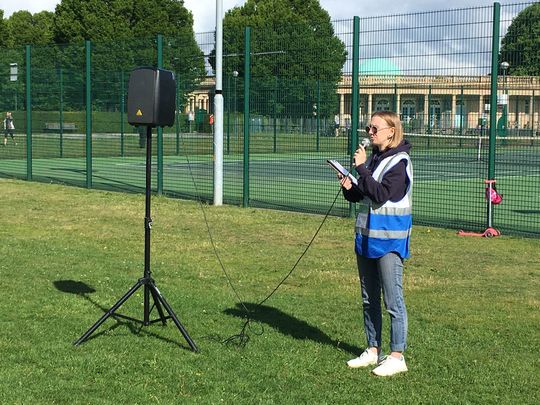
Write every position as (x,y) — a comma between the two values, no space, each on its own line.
(67,254)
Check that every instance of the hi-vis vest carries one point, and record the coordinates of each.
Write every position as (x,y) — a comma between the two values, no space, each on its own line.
(381,229)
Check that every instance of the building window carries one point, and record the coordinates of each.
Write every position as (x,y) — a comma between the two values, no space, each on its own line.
(408,110)
(347,103)
(435,114)
(382,105)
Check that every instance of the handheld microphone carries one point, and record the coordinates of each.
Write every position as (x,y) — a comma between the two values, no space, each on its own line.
(365,143)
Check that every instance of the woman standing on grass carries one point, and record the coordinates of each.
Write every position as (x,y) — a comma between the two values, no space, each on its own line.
(383,229)
(9,128)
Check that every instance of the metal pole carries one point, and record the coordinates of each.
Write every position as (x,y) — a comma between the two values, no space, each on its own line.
(493,102)
(274,113)
(218,109)
(355,99)
(235,108)
(160,129)
(228,114)
(493,98)
(178,109)
(28,114)
(318,117)
(88,48)
(430,117)
(122,112)
(61,78)
(531,113)
(462,106)
(147,224)
(247,73)
(502,124)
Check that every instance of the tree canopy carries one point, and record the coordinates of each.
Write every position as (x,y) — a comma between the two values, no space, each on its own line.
(119,25)
(3,30)
(123,34)
(293,48)
(25,28)
(520,47)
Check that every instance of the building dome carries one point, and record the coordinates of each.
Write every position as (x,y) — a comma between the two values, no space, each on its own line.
(379,67)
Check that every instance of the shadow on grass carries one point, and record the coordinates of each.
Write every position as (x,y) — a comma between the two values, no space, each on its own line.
(73,287)
(288,325)
(82,289)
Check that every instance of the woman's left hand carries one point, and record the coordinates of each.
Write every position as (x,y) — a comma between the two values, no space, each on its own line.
(345,182)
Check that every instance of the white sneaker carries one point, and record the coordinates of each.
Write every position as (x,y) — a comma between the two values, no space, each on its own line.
(389,366)
(368,358)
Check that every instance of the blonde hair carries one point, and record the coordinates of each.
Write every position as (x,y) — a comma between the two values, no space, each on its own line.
(392,119)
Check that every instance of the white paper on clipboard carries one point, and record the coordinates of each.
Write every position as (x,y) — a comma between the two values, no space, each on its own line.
(334,164)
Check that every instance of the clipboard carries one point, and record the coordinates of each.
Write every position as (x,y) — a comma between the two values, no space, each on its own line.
(334,164)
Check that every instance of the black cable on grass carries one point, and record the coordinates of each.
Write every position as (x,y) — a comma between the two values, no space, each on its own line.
(242,338)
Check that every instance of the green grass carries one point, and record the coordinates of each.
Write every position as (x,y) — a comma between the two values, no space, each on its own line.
(473,307)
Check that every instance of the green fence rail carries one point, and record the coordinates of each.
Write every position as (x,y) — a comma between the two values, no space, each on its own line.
(294,96)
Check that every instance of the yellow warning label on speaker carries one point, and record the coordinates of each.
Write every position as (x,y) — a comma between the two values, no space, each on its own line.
(138,113)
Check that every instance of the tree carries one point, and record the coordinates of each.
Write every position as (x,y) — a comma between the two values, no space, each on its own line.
(3,30)
(123,35)
(25,28)
(521,44)
(129,23)
(296,58)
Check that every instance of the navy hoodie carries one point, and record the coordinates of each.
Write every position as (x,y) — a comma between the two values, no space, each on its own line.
(393,185)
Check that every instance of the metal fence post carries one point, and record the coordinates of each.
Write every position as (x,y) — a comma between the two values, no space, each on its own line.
(88,50)
(122,112)
(318,116)
(28,114)
(531,109)
(462,106)
(355,95)
(395,100)
(178,109)
(274,114)
(493,101)
(430,117)
(247,73)
(160,129)
(61,79)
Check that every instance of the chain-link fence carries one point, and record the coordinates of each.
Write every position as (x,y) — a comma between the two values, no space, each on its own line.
(294,96)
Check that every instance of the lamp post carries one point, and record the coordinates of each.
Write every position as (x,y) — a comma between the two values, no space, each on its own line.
(502,124)
(13,76)
(235,76)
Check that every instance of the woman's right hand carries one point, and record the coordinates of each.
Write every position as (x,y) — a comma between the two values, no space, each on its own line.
(360,156)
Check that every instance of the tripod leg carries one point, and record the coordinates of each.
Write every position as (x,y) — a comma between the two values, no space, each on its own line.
(157,303)
(174,318)
(109,312)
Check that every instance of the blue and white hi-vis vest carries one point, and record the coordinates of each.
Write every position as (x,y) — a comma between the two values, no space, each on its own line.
(381,229)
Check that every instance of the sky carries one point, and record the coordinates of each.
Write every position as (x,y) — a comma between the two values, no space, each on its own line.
(205,17)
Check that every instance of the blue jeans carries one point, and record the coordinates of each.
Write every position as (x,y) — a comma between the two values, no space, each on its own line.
(386,274)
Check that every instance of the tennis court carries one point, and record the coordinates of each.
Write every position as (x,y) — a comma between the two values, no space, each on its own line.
(449,173)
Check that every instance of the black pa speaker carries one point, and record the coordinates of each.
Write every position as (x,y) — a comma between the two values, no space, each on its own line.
(151,97)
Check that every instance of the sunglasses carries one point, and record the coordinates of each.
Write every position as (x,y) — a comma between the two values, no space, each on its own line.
(375,129)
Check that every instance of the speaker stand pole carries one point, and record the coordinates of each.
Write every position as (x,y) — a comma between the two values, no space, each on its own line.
(147,281)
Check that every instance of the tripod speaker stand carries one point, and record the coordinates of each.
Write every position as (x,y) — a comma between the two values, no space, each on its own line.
(146,281)
(150,288)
